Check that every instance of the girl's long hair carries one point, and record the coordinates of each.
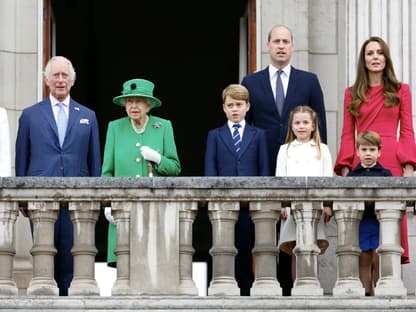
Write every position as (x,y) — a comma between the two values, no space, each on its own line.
(361,85)
(315,136)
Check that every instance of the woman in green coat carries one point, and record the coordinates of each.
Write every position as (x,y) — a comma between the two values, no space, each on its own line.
(139,145)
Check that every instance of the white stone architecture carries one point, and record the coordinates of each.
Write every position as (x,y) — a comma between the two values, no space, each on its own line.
(327,37)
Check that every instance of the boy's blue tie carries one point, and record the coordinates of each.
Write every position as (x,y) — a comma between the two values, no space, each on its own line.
(280,95)
(61,122)
(236,138)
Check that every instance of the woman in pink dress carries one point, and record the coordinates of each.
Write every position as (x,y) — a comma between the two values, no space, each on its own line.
(377,101)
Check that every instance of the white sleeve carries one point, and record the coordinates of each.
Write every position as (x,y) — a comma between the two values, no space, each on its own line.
(328,169)
(281,165)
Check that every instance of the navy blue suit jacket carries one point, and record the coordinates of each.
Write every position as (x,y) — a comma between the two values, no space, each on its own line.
(303,89)
(221,158)
(38,152)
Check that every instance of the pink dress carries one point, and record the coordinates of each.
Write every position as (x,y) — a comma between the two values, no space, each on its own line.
(396,150)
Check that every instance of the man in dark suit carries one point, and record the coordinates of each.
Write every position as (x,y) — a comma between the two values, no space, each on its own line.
(58,137)
(238,149)
(294,87)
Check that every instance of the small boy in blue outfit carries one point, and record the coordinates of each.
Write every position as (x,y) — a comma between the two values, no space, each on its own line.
(368,145)
(238,149)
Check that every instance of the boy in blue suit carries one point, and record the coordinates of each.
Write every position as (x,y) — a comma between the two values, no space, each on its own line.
(58,137)
(238,149)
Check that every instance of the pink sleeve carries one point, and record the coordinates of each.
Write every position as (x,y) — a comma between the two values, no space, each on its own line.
(347,149)
(406,149)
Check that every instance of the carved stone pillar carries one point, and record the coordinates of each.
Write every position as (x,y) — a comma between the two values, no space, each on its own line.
(8,215)
(223,216)
(187,213)
(43,216)
(306,216)
(389,214)
(121,215)
(347,216)
(264,215)
(154,248)
(84,216)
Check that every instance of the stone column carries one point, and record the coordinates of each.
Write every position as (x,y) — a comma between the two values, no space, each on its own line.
(306,216)
(84,216)
(121,215)
(264,215)
(187,213)
(347,216)
(223,216)
(8,215)
(43,216)
(389,214)
(154,248)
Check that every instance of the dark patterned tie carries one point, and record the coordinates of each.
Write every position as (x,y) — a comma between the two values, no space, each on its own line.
(280,95)
(236,138)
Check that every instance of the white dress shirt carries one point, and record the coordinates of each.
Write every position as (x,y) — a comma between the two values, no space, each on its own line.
(55,108)
(284,76)
(242,123)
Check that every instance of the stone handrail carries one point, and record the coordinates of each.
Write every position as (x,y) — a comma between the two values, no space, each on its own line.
(154,219)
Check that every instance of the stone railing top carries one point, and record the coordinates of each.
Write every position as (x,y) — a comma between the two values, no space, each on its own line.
(207,188)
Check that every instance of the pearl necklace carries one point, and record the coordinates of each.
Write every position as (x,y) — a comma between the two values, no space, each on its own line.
(139,130)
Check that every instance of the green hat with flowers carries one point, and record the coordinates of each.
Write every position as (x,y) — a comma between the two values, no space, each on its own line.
(137,87)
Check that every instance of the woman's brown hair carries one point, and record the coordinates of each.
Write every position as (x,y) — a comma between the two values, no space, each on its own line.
(361,85)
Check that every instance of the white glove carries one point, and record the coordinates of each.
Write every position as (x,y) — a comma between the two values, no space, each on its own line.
(150,154)
(108,216)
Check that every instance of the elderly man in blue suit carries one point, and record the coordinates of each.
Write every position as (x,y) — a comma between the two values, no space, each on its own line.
(59,137)
(274,92)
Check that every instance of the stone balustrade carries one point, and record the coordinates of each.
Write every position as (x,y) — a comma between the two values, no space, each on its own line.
(154,219)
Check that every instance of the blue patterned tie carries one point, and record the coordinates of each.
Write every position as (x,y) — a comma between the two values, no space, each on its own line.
(61,122)
(280,95)
(236,138)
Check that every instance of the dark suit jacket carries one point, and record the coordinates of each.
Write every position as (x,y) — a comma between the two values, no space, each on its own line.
(222,160)
(38,152)
(303,89)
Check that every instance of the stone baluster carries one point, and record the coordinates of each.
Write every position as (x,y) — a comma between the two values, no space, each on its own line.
(390,214)
(347,216)
(43,216)
(8,215)
(84,216)
(306,216)
(121,214)
(154,248)
(187,213)
(264,215)
(223,216)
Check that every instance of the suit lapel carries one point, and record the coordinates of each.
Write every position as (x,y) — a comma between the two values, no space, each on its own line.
(247,138)
(290,93)
(47,112)
(74,111)
(226,138)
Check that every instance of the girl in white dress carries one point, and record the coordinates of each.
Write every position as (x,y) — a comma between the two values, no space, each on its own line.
(303,155)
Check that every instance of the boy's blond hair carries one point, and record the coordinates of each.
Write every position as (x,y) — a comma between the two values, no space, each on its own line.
(237,92)
(368,138)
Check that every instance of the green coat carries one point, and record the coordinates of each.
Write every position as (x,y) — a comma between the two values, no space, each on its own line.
(122,157)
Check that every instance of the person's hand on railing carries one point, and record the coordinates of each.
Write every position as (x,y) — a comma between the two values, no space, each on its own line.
(284,213)
(327,214)
(108,216)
